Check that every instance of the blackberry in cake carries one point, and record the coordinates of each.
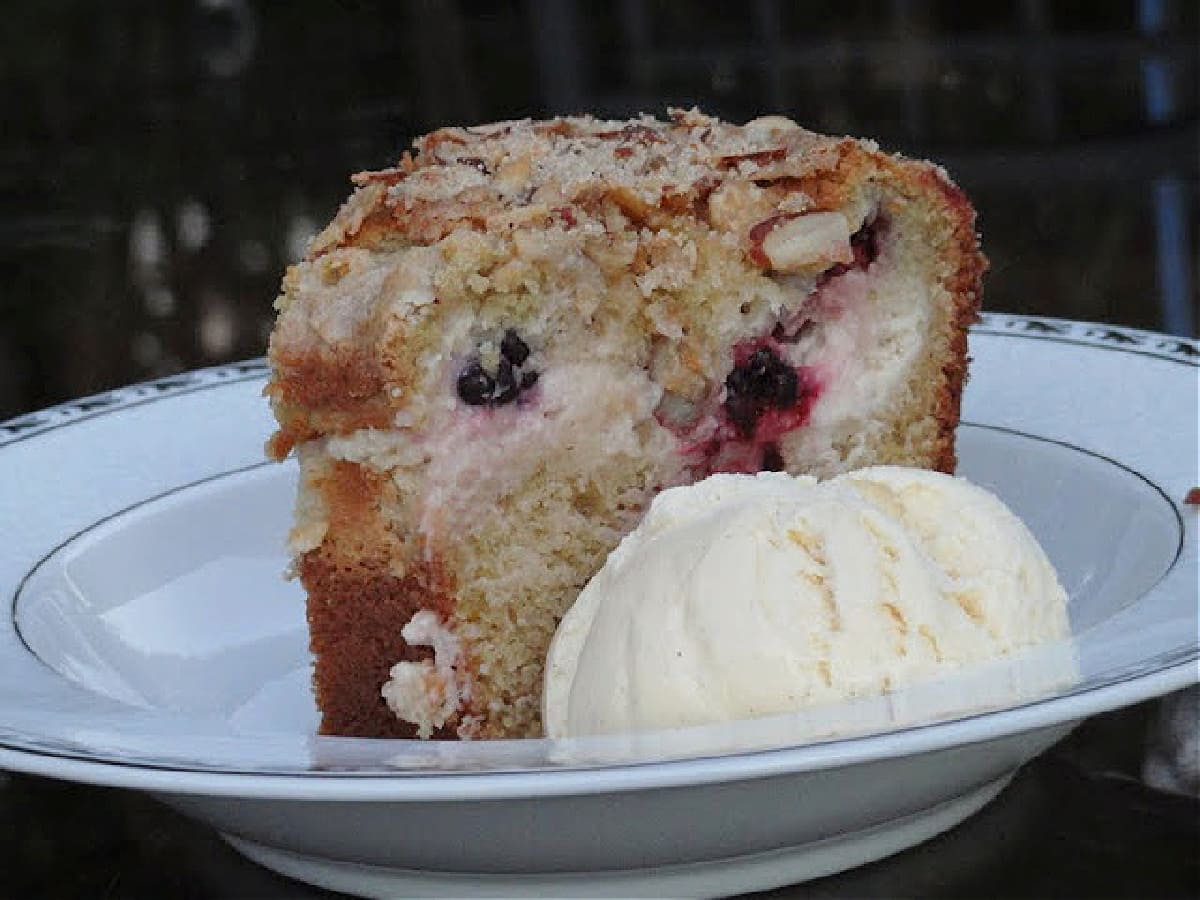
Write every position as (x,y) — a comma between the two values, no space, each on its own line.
(502,348)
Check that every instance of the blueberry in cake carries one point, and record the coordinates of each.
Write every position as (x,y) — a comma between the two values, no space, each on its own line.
(502,348)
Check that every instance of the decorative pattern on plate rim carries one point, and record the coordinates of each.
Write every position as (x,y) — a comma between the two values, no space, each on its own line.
(1095,334)
(120,398)
(1113,337)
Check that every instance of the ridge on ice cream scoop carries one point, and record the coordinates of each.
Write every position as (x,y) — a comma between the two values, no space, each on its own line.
(752,595)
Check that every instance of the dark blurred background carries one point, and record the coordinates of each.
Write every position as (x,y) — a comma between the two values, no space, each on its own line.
(164,161)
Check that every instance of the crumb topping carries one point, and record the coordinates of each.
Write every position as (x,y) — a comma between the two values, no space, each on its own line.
(497,177)
(578,212)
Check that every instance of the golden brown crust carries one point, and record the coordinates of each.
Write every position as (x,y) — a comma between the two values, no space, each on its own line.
(324,393)
(357,604)
(964,284)
(354,619)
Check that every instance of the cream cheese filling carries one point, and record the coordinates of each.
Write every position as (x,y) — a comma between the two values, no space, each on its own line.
(429,692)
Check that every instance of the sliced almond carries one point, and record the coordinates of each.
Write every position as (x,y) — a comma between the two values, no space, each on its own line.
(792,244)
(772,123)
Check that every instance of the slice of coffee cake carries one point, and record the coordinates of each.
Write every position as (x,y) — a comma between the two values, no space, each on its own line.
(501,349)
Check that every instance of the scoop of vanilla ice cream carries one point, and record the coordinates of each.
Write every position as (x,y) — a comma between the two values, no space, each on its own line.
(745,596)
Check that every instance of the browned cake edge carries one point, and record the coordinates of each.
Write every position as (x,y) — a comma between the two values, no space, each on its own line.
(964,283)
(356,608)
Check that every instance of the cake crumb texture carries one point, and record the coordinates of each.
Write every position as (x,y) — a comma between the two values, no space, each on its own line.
(502,348)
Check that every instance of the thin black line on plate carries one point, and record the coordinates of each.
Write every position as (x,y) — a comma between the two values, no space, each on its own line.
(1178,656)
(1171,504)
(102,521)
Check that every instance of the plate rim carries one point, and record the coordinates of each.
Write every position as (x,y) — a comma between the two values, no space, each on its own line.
(462,785)
(433,786)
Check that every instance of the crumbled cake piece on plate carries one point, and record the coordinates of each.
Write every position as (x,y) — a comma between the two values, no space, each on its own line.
(501,349)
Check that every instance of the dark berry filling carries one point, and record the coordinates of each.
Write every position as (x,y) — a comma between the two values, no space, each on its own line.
(772,459)
(512,348)
(762,382)
(766,398)
(506,383)
(475,386)
(478,387)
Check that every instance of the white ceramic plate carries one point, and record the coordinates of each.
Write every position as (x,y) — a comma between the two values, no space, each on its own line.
(154,645)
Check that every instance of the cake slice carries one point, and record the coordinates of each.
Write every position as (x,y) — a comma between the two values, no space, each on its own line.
(501,349)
